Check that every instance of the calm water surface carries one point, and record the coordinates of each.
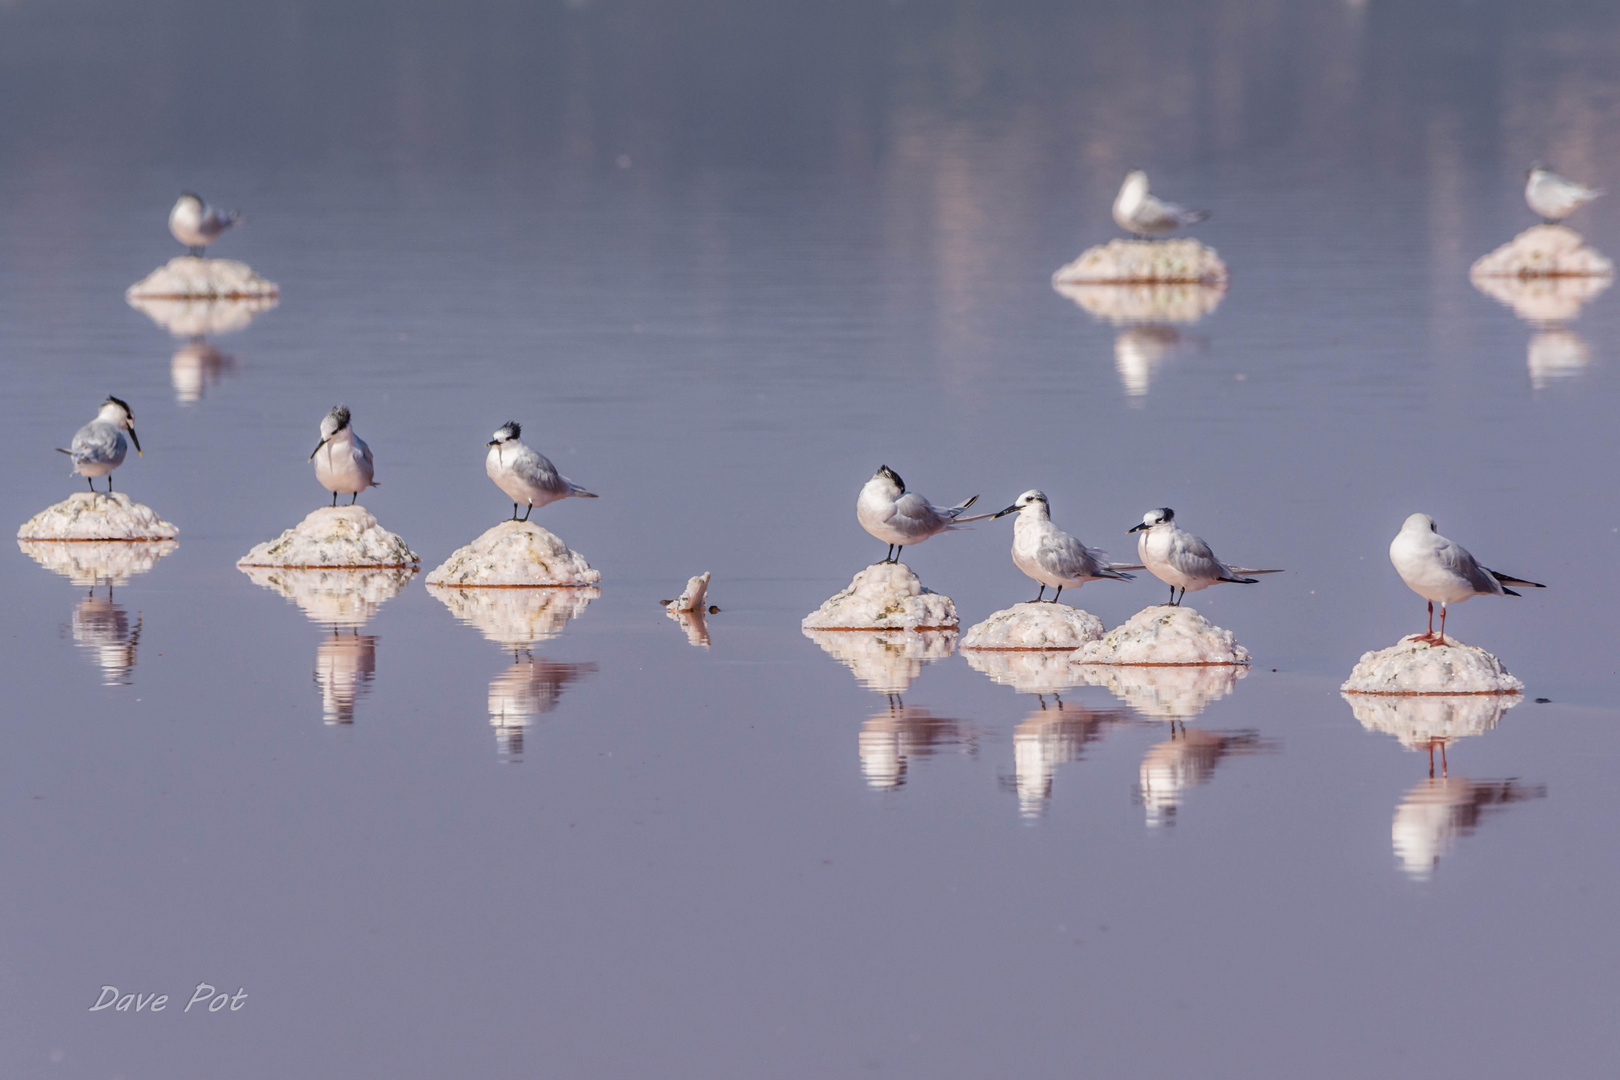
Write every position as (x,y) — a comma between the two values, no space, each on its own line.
(722,262)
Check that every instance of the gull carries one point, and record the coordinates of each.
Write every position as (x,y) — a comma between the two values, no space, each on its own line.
(898,517)
(1441,570)
(99,447)
(1553,196)
(196,224)
(525,474)
(1051,556)
(1180,559)
(1137,212)
(346,465)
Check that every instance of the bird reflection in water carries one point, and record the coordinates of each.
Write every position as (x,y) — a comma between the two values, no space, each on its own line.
(1147,316)
(100,624)
(345,665)
(527,689)
(1547,304)
(104,627)
(1440,809)
(198,364)
(1053,735)
(891,738)
(1185,760)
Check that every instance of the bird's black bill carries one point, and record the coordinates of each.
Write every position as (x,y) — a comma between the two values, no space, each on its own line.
(1133,528)
(134,439)
(317,450)
(492,442)
(1004,513)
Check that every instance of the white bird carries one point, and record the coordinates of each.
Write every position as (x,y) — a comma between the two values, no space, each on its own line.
(346,466)
(1138,212)
(898,517)
(99,447)
(196,224)
(1180,559)
(1441,570)
(1552,196)
(525,474)
(1051,556)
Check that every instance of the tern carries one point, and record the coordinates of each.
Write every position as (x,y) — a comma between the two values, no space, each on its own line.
(1137,212)
(1552,196)
(196,224)
(1051,556)
(899,517)
(1441,570)
(346,465)
(99,447)
(1180,559)
(525,474)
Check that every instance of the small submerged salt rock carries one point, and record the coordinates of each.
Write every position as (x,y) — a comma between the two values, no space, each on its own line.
(1412,666)
(1164,634)
(1178,692)
(1543,251)
(1420,721)
(1034,625)
(334,597)
(1145,260)
(516,618)
(1025,670)
(692,598)
(97,515)
(514,553)
(334,536)
(186,276)
(885,661)
(97,562)
(884,596)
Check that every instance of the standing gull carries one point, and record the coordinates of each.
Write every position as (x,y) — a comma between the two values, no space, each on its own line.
(1051,556)
(1138,212)
(1180,559)
(1552,196)
(1441,570)
(99,447)
(196,224)
(899,517)
(525,474)
(346,464)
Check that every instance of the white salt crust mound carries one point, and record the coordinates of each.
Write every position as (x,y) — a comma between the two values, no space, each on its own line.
(1543,299)
(1130,305)
(187,276)
(1164,634)
(97,562)
(334,597)
(886,661)
(692,597)
(514,554)
(1145,261)
(190,317)
(1421,720)
(1033,625)
(1419,667)
(1168,693)
(884,596)
(1025,670)
(1543,251)
(95,515)
(516,618)
(334,536)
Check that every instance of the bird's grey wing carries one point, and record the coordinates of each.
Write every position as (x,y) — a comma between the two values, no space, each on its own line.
(365,451)
(1455,558)
(1246,570)
(95,442)
(1193,557)
(1509,579)
(912,511)
(1167,215)
(1078,560)
(538,470)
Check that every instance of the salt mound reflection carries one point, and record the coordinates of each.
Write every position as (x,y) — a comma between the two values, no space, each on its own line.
(891,738)
(195,316)
(1436,812)
(885,660)
(334,597)
(97,562)
(523,692)
(1168,693)
(1026,671)
(516,618)
(1184,761)
(1543,299)
(103,627)
(1122,305)
(1424,721)
(1049,737)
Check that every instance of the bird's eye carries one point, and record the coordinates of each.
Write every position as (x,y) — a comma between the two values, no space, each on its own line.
(1433,527)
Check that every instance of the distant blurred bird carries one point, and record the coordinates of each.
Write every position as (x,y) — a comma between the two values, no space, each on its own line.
(99,447)
(1137,212)
(346,465)
(1051,556)
(525,474)
(1180,559)
(898,517)
(1442,570)
(1552,196)
(196,224)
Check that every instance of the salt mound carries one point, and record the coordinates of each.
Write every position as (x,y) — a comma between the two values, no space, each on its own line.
(334,536)
(1026,671)
(516,618)
(191,317)
(514,553)
(1129,305)
(1542,251)
(884,596)
(187,276)
(1124,261)
(1169,693)
(97,562)
(1542,299)
(1164,634)
(334,597)
(1034,625)
(886,661)
(1418,667)
(97,515)
(1421,720)
(691,599)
